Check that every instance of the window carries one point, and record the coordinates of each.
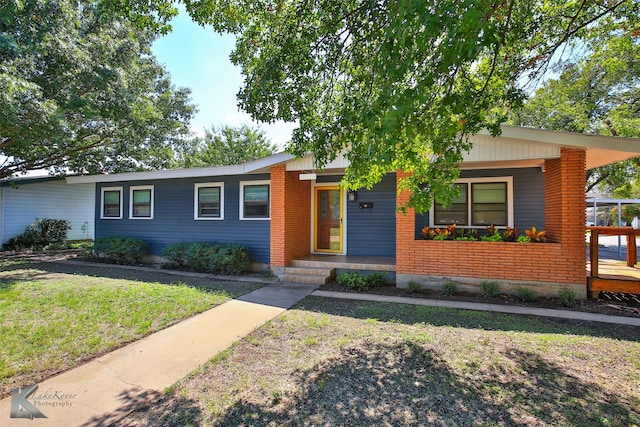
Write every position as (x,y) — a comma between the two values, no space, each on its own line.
(254,200)
(457,212)
(209,201)
(482,202)
(141,202)
(111,203)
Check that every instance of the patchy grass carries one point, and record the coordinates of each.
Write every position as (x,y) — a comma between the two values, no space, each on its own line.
(51,321)
(336,362)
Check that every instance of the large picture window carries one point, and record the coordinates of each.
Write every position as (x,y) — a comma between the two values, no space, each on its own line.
(255,200)
(111,203)
(209,201)
(481,202)
(141,202)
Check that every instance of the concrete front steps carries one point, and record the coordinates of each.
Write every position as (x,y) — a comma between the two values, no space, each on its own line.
(308,272)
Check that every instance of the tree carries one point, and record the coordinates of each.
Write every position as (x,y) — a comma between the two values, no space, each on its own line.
(80,91)
(226,145)
(396,84)
(597,91)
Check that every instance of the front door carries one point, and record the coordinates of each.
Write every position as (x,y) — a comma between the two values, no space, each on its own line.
(328,226)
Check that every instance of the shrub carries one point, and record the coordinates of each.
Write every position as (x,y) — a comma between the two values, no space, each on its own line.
(376,279)
(231,259)
(526,294)
(175,254)
(523,239)
(121,249)
(41,234)
(490,289)
(208,257)
(357,282)
(414,286)
(352,280)
(567,297)
(450,288)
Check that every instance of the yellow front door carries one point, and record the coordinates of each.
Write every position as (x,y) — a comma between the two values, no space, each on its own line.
(328,220)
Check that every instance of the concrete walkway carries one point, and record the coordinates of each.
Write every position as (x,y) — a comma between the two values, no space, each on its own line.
(497,308)
(108,387)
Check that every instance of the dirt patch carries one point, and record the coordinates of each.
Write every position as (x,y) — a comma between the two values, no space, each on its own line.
(338,362)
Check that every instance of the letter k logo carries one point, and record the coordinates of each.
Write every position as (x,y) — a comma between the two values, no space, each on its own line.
(21,407)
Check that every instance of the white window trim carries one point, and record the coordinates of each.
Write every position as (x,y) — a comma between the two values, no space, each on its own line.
(151,208)
(251,183)
(102,191)
(507,179)
(195,200)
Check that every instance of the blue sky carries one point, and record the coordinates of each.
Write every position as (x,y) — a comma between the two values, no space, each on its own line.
(198,58)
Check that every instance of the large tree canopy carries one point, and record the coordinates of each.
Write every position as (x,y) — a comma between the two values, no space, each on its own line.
(392,84)
(597,91)
(80,91)
(225,145)
(397,84)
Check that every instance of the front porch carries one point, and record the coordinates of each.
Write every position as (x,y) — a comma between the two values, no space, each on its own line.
(320,269)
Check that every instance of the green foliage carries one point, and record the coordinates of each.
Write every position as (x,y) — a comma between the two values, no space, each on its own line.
(492,238)
(208,257)
(81,91)
(450,288)
(396,85)
(39,235)
(176,254)
(523,239)
(226,145)
(414,286)
(567,297)
(596,92)
(352,280)
(376,279)
(490,288)
(125,250)
(356,281)
(526,294)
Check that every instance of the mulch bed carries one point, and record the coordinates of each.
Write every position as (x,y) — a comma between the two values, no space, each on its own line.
(609,303)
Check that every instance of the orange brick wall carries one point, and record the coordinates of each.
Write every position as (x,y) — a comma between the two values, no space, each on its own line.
(562,260)
(290,216)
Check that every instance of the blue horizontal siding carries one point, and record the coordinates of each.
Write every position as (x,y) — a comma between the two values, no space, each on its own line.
(372,232)
(173,217)
(528,195)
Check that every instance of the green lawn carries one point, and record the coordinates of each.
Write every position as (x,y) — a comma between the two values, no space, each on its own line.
(51,321)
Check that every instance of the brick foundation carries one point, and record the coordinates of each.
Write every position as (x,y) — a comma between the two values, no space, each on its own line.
(546,267)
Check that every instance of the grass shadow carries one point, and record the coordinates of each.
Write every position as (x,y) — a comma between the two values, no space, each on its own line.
(403,383)
(440,316)
(231,288)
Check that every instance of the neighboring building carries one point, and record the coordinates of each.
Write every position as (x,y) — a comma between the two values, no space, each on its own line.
(22,200)
(283,209)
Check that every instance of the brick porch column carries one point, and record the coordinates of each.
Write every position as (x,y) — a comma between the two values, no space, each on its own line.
(290,218)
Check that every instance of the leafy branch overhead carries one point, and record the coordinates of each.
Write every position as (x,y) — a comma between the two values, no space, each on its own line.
(81,91)
(397,85)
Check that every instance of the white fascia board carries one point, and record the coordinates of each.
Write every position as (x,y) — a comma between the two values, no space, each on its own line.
(246,168)
(569,139)
(156,175)
(266,163)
